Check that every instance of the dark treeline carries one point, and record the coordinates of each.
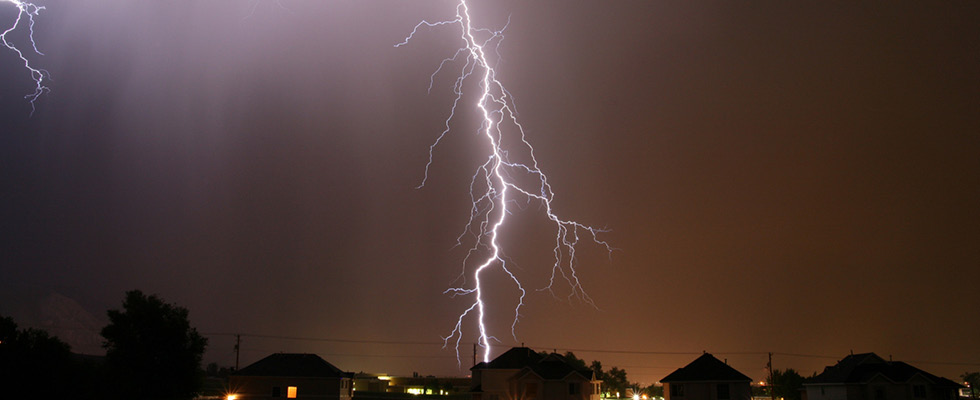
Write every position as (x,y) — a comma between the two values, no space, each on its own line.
(152,353)
(614,381)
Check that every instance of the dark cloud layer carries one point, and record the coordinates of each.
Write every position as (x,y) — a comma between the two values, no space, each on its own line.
(781,177)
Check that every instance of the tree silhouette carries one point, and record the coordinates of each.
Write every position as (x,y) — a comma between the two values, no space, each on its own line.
(152,352)
(614,382)
(34,364)
(577,362)
(972,380)
(786,384)
(654,390)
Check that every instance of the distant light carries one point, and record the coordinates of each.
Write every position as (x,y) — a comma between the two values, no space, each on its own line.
(232,397)
(384,377)
(636,396)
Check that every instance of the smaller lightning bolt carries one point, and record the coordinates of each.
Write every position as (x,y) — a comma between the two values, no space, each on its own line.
(500,183)
(27,11)
(255,4)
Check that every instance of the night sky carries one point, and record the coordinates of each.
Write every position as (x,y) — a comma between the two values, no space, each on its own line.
(777,176)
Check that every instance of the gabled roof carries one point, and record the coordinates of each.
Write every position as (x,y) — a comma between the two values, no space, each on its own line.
(551,366)
(515,358)
(296,365)
(706,368)
(861,368)
(844,369)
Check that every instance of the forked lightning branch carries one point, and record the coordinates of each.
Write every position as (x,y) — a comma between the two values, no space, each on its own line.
(499,184)
(24,22)
(508,178)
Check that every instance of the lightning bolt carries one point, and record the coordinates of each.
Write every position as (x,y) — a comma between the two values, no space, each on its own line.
(509,175)
(255,4)
(27,11)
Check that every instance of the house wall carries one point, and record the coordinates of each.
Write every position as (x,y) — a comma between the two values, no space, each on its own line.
(856,392)
(870,391)
(708,390)
(554,389)
(494,383)
(826,392)
(261,387)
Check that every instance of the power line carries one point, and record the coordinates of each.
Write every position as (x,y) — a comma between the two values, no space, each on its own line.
(659,353)
(805,355)
(255,349)
(946,363)
(312,339)
(578,350)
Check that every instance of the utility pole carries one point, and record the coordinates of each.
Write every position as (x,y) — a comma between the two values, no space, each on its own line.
(772,385)
(238,348)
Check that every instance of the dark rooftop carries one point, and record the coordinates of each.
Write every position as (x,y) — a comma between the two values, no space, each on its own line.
(551,366)
(290,364)
(860,368)
(706,368)
(515,358)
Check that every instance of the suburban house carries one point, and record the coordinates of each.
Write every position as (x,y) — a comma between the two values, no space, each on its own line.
(707,378)
(523,374)
(869,377)
(290,376)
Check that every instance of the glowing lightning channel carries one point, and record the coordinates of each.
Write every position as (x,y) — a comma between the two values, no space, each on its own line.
(499,178)
(28,11)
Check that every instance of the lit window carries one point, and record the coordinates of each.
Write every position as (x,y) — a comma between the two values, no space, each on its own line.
(291,392)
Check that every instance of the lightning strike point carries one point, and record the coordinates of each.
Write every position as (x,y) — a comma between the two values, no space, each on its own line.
(493,187)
